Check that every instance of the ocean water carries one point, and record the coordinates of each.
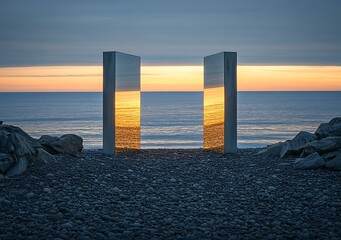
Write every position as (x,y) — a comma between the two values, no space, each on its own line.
(172,119)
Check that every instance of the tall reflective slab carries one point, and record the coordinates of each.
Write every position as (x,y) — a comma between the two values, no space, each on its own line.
(121,102)
(220,102)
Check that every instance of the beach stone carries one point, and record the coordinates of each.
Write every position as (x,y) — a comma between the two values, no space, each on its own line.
(310,162)
(67,225)
(47,190)
(272,150)
(321,146)
(6,161)
(115,189)
(30,195)
(333,128)
(297,144)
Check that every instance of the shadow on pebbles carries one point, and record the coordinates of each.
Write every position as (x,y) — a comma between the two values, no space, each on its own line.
(171,194)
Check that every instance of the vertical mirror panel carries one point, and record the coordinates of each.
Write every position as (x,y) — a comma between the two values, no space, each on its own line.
(121,102)
(214,102)
(127,102)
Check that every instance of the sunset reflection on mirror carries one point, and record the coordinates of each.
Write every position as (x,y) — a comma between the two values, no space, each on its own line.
(127,120)
(214,118)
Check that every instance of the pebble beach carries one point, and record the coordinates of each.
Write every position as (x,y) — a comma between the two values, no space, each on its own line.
(171,194)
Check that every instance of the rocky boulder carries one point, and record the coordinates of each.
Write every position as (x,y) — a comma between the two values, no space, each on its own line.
(43,157)
(321,146)
(18,150)
(310,162)
(333,159)
(333,128)
(297,144)
(6,162)
(272,150)
(322,149)
(66,144)
(51,144)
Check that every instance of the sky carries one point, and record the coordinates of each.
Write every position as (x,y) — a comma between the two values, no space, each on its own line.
(300,36)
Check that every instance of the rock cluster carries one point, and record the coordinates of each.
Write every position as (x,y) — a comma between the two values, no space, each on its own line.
(18,150)
(321,149)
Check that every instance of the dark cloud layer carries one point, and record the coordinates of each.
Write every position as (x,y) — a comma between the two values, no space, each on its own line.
(63,32)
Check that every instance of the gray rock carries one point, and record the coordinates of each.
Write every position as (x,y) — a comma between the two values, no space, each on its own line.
(1,122)
(24,152)
(47,190)
(72,143)
(297,144)
(333,128)
(30,195)
(333,160)
(115,189)
(51,144)
(67,225)
(20,166)
(272,150)
(9,130)
(43,157)
(330,155)
(5,142)
(6,162)
(21,146)
(310,162)
(79,215)
(321,146)
(284,164)
(66,144)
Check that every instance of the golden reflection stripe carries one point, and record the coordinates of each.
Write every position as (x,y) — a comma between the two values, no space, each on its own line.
(127,120)
(214,118)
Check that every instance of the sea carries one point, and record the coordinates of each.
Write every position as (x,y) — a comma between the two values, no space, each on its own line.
(172,119)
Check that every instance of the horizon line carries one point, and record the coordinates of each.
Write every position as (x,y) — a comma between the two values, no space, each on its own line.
(173,91)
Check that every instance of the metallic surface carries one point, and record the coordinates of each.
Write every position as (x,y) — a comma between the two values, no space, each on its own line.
(220,102)
(121,102)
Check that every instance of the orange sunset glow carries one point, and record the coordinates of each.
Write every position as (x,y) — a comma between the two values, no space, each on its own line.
(170,78)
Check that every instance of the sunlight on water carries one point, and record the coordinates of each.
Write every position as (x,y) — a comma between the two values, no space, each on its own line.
(172,120)
(127,120)
(214,118)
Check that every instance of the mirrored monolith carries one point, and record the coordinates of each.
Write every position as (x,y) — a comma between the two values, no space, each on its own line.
(220,102)
(121,102)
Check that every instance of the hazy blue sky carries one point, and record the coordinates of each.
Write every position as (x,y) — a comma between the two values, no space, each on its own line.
(263,32)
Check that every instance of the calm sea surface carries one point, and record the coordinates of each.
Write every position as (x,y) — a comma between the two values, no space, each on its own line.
(172,119)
